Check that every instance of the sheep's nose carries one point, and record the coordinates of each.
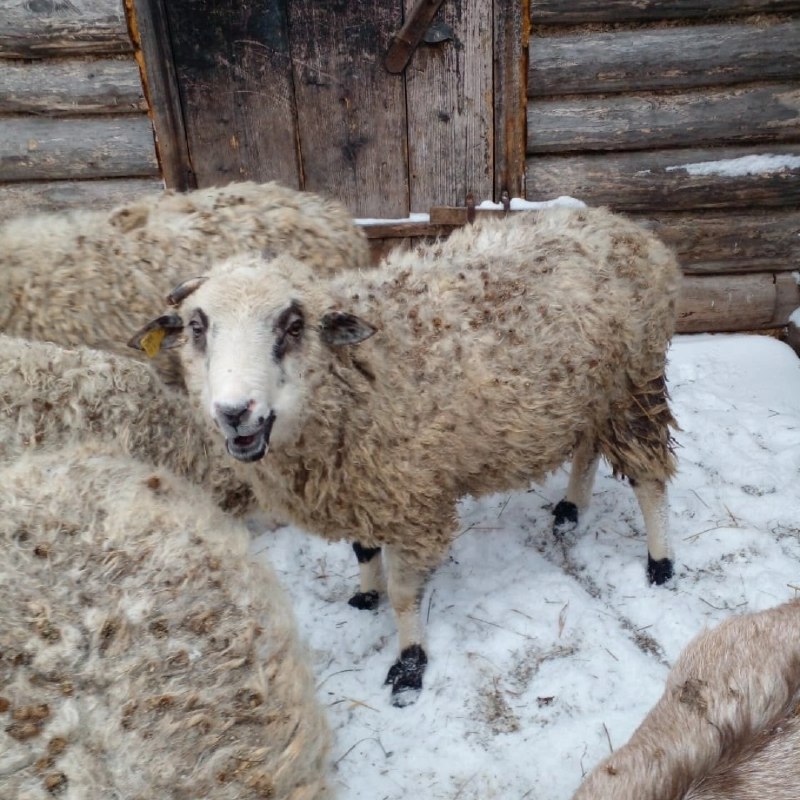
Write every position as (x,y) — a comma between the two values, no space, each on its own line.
(232,416)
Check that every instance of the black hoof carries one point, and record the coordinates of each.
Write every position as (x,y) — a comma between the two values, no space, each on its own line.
(364,601)
(659,572)
(405,675)
(566,517)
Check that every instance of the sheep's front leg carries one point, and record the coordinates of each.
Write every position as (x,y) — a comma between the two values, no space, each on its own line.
(579,489)
(652,497)
(406,585)
(369,570)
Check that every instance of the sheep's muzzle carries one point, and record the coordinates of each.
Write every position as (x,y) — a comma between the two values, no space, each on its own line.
(253,446)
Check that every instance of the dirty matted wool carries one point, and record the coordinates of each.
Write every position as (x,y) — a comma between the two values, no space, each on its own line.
(142,655)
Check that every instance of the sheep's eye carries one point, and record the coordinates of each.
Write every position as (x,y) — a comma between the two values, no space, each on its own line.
(295,329)
(198,325)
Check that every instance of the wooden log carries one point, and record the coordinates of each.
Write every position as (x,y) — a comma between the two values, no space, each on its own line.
(351,112)
(39,28)
(71,86)
(577,12)
(511,35)
(148,23)
(724,116)
(17,199)
(731,242)
(233,70)
(663,58)
(62,149)
(449,106)
(736,302)
(664,180)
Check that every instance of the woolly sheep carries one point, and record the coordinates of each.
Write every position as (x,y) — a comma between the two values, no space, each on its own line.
(82,277)
(727,726)
(143,654)
(50,395)
(493,359)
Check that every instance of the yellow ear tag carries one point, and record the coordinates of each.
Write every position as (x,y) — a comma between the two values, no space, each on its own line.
(151,341)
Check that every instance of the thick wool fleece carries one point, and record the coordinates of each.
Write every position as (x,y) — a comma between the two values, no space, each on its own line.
(495,354)
(89,278)
(728,724)
(142,655)
(50,395)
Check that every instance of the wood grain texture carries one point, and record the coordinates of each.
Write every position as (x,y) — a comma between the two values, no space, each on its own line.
(17,199)
(233,72)
(758,114)
(450,112)
(103,147)
(39,28)
(576,12)
(351,112)
(731,242)
(663,58)
(663,180)
(71,86)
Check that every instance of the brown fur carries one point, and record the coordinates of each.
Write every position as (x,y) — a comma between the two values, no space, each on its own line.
(727,726)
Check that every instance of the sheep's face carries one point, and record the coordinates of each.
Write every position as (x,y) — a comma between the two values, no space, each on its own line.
(253,350)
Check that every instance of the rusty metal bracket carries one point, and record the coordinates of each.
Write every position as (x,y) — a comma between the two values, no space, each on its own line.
(407,39)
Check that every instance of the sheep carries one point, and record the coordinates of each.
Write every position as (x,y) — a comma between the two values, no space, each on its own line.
(728,724)
(481,365)
(81,277)
(50,395)
(141,653)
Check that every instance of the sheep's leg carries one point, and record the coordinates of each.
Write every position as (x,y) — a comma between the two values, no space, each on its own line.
(652,497)
(406,586)
(579,489)
(369,569)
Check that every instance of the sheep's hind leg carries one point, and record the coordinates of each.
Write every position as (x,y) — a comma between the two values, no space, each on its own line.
(406,586)
(579,489)
(369,569)
(652,497)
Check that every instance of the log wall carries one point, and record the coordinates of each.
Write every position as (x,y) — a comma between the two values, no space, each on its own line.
(687,116)
(74,127)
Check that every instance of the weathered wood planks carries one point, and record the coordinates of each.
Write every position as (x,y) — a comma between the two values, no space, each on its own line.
(663,58)
(41,28)
(71,86)
(67,149)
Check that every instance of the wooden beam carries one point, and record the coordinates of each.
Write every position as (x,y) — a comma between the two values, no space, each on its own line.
(407,39)
(577,12)
(663,58)
(663,180)
(71,86)
(17,199)
(511,35)
(101,147)
(147,20)
(634,122)
(49,28)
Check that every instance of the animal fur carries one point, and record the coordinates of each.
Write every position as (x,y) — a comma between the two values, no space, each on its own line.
(87,277)
(727,725)
(496,357)
(142,655)
(50,396)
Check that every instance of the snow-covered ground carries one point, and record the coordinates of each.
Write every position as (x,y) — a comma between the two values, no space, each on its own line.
(545,655)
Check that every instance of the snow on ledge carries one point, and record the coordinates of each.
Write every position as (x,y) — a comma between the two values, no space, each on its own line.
(739,167)
(410,218)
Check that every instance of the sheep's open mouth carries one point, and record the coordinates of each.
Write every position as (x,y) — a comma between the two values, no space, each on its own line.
(253,446)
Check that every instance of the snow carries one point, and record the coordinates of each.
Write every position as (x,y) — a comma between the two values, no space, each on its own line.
(543,655)
(739,167)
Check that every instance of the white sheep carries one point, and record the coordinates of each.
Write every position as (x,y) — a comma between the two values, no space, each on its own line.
(50,396)
(87,277)
(494,358)
(143,654)
(728,724)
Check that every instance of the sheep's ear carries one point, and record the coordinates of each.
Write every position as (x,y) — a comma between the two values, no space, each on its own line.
(183,290)
(160,334)
(337,328)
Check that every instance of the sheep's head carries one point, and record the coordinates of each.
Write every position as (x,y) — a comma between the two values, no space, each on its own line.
(256,336)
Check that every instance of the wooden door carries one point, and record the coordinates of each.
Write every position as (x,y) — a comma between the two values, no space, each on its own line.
(297,90)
